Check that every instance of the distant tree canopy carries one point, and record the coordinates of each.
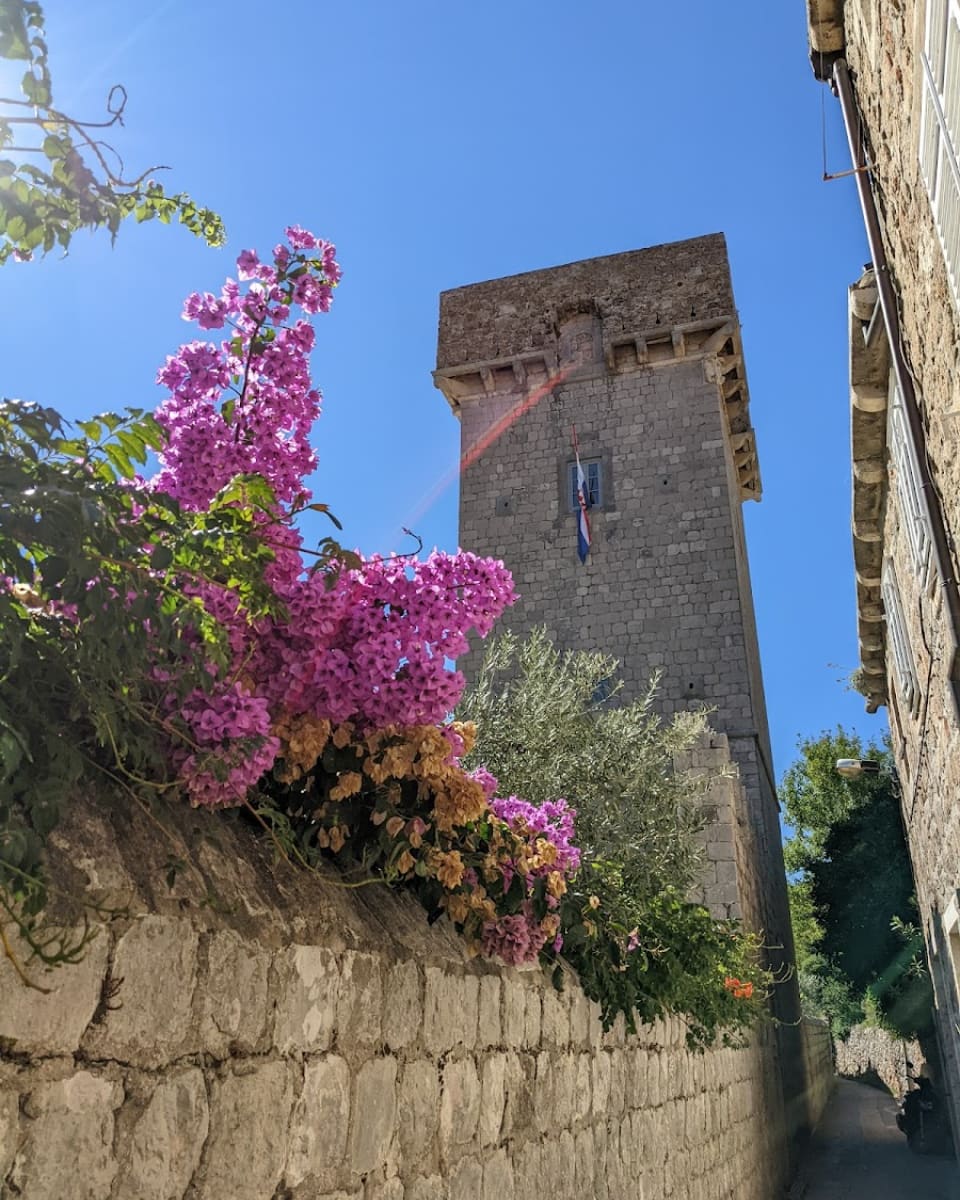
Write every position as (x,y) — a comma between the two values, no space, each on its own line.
(859,952)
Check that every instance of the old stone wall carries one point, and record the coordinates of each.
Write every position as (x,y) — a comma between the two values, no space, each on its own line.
(871,1053)
(818,1057)
(258,1033)
(883,47)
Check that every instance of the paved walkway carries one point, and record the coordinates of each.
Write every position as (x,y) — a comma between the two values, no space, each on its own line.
(858,1153)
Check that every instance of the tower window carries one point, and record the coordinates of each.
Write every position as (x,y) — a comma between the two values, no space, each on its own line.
(593,481)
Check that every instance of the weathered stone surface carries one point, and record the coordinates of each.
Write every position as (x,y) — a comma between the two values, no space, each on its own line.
(488,1024)
(167,1140)
(402,1008)
(429,1187)
(361,999)
(533,1010)
(35,1023)
(440,1018)
(466,1180)
(493,1098)
(249,1122)
(308,980)
(514,1012)
(233,994)
(321,1121)
(498,1177)
(9,1132)
(419,1111)
(374,1114)
(149,1021)
(460,1103)
(556,1018)
(68,1140)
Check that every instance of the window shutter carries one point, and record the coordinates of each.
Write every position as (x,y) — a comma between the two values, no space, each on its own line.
(910,497)
(898,643)
(940,127)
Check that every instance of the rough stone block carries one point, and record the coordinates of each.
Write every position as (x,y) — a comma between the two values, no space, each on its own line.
(308,983)
(556,1018)
(518,1113)
(360,1002)
(9,1132)
(514,1012)
(441,1021)
(460,1104)
(601,1084)
(466,1180)
(321,1120)
(584,1088)
(374,1114)
(402,1009)
(579,1018)
(68,1136)
(493,1098)
(488,1025)
(533,1015)
(232,994)
(167,1140)
(498,1177)
(150,1020)
(527,1169)
(429,1187)
(53,1023)
(249,1119)
(419,1112)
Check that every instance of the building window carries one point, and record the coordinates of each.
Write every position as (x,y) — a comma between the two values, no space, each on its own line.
(940,127)
(899,654)
(593,479)
(911,500)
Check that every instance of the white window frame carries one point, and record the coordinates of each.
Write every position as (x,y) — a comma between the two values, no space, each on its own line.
(899,653)
(912,503)
(940,128)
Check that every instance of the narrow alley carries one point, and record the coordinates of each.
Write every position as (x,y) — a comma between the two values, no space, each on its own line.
(858,1153)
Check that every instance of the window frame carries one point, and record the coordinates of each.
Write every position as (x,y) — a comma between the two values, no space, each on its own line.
(912,503)
(899,649)
(939,144)
(596,462)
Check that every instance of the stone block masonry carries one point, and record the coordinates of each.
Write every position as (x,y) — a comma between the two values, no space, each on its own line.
(641,352)
(258,1033)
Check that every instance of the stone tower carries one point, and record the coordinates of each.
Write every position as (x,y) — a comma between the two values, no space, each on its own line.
(641,352)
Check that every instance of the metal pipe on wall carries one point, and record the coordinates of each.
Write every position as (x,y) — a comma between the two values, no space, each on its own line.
(943,558)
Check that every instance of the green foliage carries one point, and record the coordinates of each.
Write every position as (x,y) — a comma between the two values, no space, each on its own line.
(102,589)
(545,731)
(852,898)
(549,725)
(71,179)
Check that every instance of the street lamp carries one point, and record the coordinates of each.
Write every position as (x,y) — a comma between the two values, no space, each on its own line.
(853,768)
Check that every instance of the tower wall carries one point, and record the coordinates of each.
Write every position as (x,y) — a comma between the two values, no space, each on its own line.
(641,352)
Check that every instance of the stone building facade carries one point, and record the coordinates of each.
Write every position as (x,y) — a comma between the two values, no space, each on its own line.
(896,69)
(641,354)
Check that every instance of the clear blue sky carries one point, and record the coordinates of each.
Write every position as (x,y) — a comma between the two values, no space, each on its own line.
(441,143)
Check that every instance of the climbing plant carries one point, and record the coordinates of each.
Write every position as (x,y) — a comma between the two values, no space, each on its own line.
(57,173)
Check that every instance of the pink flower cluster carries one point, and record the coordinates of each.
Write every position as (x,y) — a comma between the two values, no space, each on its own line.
(515,939)
(553,820)
(232,744)
(373,647)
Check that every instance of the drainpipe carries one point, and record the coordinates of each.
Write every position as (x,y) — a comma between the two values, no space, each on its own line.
(943,558)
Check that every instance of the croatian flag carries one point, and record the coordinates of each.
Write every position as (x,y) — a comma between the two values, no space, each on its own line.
(583,521)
